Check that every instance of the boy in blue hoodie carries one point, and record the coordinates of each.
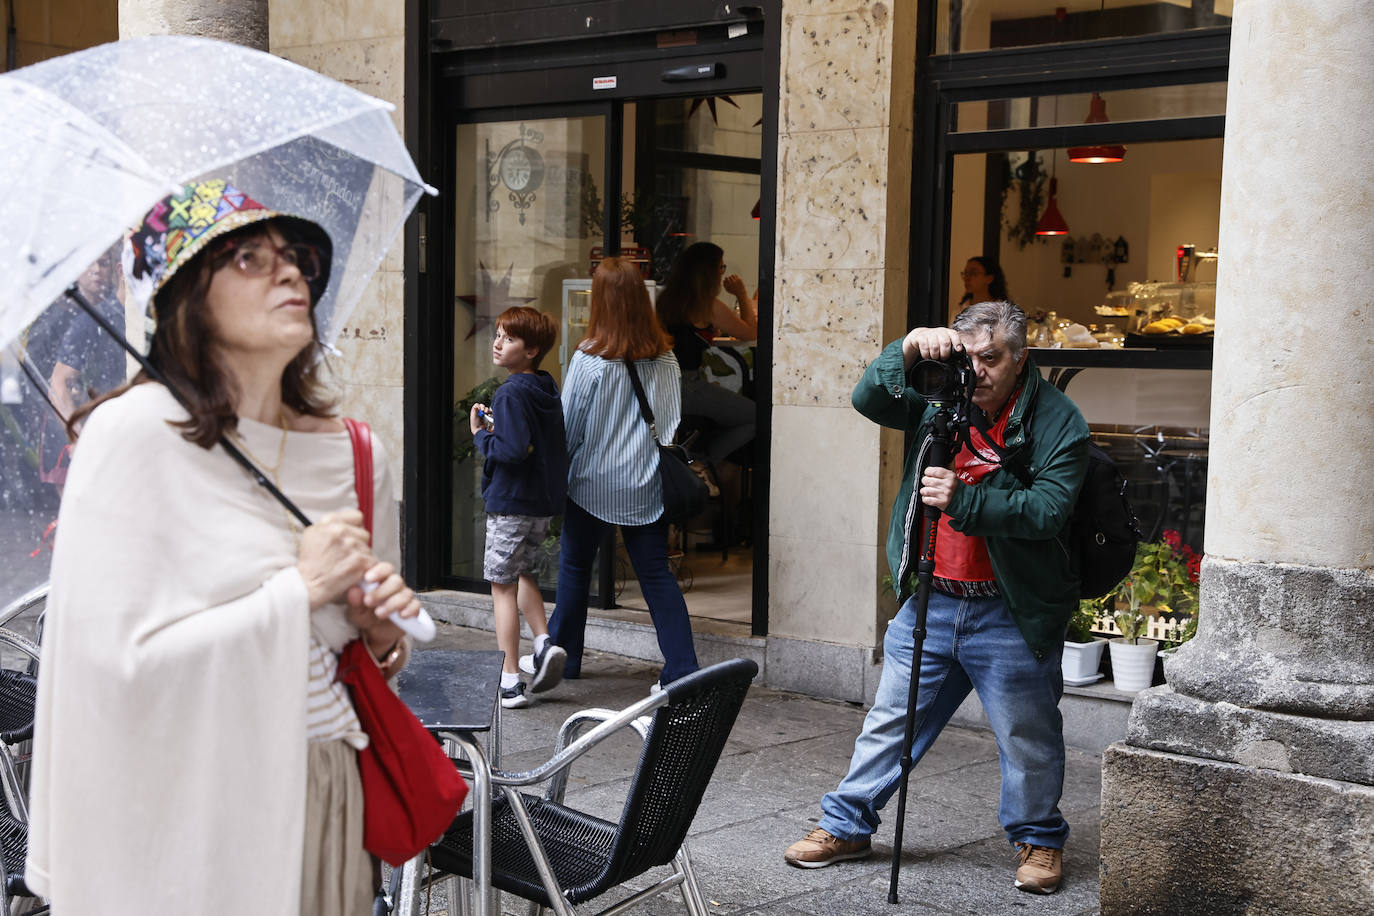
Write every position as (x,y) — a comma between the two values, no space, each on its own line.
(524,484)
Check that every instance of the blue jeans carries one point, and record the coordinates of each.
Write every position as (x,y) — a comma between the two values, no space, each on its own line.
(647,546)
(971,643)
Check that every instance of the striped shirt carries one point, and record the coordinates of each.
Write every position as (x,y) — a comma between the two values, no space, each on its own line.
(612,458)
(328,711)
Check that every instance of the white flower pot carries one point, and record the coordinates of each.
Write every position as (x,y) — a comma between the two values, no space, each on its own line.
(1133,664)
(1081,661)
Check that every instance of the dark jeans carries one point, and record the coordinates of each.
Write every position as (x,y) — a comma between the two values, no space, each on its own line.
(647,546)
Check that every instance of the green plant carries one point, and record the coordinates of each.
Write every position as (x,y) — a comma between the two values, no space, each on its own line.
(1131,620)
(1027,185)
(1165,575)
(1083,619)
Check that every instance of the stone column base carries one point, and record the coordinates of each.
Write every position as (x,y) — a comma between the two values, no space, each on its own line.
(1183,835)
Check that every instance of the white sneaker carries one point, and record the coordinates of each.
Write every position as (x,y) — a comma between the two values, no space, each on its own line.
(515,697)
(546,667)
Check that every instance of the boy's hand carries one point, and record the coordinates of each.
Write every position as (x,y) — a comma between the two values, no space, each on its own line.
(475,417)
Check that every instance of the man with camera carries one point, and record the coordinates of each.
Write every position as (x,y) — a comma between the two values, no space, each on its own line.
(1003,585)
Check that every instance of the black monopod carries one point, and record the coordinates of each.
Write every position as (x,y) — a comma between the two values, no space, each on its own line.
(949,390)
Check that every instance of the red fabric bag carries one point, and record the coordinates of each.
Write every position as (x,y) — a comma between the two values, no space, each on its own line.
(411,790)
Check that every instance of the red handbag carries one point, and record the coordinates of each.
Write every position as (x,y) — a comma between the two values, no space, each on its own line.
(411,790)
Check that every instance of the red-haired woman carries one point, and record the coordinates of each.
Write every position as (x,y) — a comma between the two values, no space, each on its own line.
(613,464)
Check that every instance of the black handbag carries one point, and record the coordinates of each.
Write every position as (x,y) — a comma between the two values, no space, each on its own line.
(684,492)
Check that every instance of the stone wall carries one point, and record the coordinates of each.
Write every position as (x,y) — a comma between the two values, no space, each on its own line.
(844,163)
(360,43)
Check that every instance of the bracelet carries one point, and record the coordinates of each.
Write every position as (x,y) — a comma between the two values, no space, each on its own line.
(389,657)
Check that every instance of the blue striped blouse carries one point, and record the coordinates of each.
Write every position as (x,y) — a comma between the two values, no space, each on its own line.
(612,458)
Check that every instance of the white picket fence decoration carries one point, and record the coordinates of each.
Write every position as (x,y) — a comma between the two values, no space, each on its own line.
(1155,628)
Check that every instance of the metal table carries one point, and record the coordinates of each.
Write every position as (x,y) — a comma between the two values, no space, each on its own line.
(455,694)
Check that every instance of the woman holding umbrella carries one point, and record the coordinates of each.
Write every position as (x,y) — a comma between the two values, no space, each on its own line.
(193,752)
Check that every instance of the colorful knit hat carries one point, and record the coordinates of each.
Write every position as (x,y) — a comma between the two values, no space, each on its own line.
(180,226)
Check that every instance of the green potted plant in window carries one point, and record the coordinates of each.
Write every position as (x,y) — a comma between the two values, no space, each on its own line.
(1082,650)
(1133,657)
(1159,597)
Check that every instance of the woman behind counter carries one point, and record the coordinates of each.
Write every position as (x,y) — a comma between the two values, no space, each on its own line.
(613,465)
(984,281)
(193,752)
(691,311)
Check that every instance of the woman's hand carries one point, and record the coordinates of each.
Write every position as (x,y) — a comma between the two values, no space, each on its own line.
(369,611)
(734,285)
(391,596)
(333,556)
(937,487)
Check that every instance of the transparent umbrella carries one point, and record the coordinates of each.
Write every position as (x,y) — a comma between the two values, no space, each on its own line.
(92,141)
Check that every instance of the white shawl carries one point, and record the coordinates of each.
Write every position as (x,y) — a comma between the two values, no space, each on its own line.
(169,751)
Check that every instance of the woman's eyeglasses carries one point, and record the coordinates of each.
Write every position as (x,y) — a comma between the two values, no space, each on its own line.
(260,258)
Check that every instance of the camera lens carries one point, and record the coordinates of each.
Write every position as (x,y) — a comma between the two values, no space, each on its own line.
(933,378)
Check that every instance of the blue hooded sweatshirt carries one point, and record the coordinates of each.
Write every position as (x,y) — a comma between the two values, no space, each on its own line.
(526,469)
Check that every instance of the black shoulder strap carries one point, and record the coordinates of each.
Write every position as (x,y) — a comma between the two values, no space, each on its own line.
(979,421)
(645,410)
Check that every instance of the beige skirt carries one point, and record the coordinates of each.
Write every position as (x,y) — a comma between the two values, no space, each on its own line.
(336,875)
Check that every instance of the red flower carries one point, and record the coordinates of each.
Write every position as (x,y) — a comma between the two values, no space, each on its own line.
(1172,538)
(1194,567)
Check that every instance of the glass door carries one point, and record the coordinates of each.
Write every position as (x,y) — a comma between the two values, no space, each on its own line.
(528,212)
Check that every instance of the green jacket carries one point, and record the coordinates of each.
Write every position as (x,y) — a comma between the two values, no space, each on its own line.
(1045,435)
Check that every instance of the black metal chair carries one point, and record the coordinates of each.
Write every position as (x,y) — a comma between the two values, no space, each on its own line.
(556,856)
(18,690)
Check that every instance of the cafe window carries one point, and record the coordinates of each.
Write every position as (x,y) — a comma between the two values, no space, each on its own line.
(979,25)
(1102,125)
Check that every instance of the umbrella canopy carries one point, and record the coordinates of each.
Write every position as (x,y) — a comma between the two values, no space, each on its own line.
(95,139)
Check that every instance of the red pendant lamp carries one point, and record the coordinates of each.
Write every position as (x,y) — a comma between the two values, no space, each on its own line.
(1113,152)
(1052,221)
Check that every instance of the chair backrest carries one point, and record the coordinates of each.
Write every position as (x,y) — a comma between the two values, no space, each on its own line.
(675,766)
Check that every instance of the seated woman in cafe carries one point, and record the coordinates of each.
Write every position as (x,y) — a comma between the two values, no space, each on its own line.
(691,311)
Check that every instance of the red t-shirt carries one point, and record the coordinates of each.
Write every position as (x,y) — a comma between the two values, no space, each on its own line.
(959,556)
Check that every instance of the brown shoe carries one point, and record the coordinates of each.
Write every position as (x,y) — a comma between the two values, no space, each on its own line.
(822,848)
(1040,868)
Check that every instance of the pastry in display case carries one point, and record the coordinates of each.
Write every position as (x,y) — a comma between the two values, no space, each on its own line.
(1171,314)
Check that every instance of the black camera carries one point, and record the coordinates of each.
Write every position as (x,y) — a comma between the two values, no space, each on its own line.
(947,381)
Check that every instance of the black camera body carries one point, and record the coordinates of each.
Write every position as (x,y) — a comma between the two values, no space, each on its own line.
(945,382)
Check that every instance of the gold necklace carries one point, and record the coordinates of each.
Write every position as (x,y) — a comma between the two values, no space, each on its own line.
(274,471)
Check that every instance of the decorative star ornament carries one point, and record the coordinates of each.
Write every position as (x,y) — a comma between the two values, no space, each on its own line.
(710,104)
(490,299)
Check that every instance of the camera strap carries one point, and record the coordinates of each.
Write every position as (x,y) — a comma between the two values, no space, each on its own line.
(979,421)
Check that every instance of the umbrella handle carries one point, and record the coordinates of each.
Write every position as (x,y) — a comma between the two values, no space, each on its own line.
(421,626)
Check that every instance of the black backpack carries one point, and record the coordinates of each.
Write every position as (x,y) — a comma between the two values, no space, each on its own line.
(1102,532)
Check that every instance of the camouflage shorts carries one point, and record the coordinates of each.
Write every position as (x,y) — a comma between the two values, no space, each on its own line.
(512,546)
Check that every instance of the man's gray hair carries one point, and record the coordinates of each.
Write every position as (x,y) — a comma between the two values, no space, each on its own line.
(992,317)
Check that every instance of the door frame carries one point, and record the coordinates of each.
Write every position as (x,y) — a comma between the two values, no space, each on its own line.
(509,66)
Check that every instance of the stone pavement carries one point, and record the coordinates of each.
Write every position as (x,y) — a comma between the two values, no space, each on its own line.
(785,752)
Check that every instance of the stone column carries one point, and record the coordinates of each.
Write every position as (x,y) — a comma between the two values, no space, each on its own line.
(1247,784)
(242,22)
(844,164)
